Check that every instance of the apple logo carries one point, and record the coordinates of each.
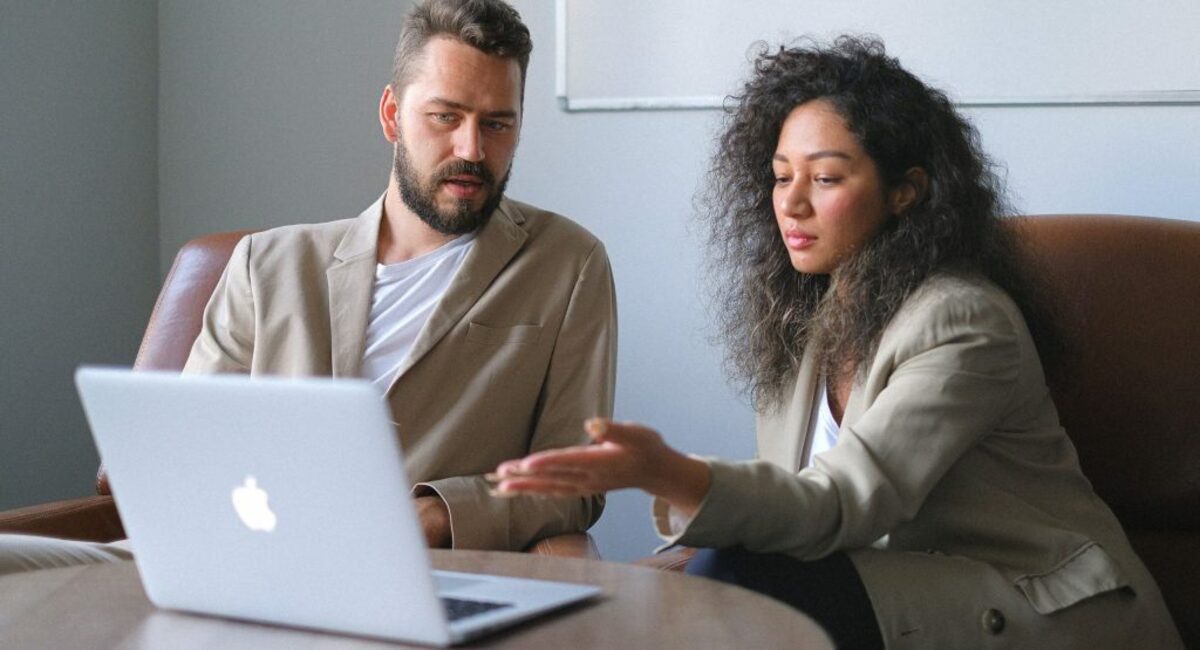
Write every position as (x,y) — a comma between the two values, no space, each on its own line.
(250,502)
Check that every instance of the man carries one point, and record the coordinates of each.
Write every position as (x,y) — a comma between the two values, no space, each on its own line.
(490,324)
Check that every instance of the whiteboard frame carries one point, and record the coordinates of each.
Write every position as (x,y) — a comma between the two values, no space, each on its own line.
(570,104)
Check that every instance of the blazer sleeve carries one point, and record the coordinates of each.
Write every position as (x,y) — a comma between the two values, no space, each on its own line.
(226,340)
(948,374)
(579,384)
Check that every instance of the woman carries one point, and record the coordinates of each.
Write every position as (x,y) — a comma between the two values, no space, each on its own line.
(914,487)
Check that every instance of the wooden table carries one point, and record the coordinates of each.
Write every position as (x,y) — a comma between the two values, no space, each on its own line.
(104,606)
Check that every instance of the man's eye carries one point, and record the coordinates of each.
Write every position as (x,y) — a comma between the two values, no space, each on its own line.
(442,118)
(499,127)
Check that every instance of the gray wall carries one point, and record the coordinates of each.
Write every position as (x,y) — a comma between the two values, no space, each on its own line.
(267,112)
(78,224)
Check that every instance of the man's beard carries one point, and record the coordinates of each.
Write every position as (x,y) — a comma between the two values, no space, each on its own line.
(422,198)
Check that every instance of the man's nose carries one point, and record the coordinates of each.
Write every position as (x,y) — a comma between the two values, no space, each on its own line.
(468,142)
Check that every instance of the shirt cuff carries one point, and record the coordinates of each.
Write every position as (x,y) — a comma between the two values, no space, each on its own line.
(474,522)
(670,523)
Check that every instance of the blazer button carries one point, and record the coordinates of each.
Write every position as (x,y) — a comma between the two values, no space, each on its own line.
(993,621)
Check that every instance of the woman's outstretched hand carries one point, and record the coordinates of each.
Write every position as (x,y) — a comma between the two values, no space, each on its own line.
(626,455)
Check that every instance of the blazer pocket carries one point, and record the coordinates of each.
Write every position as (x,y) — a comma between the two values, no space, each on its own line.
(1087,572)
(516,334)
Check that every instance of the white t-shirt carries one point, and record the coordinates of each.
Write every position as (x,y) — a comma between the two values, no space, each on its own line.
(405,295)
(824,427)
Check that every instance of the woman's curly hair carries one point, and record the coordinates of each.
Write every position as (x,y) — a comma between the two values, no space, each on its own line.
(767,311)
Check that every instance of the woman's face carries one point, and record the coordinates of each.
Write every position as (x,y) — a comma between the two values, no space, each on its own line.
(829,200)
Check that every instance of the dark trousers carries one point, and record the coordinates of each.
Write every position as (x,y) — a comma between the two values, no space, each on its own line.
(828,590)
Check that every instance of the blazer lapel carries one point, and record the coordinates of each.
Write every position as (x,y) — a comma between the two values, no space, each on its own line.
(497,242)
(351,280)
(783,433)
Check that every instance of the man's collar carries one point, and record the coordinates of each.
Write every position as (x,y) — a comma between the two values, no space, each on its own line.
(363,236)
(511,211)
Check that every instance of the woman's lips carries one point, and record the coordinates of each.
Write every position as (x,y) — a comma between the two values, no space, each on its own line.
(798,240)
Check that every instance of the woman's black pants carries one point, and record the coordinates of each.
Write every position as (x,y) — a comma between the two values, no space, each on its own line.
(829,590)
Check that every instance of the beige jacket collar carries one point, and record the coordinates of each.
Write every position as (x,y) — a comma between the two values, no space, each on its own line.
(792,415)
(351,279)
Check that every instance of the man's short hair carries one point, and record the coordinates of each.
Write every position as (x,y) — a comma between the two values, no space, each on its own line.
(490,26)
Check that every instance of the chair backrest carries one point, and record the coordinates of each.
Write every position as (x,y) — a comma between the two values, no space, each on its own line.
(1127,293)
(176,320)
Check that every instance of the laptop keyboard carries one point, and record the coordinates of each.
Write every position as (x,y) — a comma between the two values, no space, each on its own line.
(458,609)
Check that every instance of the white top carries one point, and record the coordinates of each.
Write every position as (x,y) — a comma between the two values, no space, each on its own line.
(405,295)
(823,428)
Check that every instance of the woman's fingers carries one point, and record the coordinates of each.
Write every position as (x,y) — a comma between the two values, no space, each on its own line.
(533,462)
(564,473)
(622,457)
(507,468)
(551,471)
(596,428)
(556,486)
(593,457)
(620,433)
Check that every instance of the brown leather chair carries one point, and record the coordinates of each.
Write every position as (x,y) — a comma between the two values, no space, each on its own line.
(1126,291)
(174,325)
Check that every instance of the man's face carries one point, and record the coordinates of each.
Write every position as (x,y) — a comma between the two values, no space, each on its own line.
(458,122)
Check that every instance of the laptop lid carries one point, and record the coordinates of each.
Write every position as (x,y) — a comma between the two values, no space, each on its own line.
(275,500)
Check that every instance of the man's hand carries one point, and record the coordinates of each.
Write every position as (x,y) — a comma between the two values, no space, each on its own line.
(435,521)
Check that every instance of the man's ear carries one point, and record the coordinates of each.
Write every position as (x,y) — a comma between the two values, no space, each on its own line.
(388,109)
(910,190)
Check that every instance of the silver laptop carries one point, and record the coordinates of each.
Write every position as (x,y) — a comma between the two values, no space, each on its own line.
(285,501)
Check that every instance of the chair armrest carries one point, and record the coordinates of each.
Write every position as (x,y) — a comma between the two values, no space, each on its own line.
(578,545)
(93,519)
(673,560)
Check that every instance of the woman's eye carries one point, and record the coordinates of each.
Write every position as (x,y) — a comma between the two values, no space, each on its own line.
(826,180)
(781,180)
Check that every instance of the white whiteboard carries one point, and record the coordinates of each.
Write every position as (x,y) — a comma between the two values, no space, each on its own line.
(630,54)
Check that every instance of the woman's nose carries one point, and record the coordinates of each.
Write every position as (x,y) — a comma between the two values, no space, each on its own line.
(792,201)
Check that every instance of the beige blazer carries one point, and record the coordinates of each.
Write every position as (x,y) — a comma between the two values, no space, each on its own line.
(520,350)
(953,488)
